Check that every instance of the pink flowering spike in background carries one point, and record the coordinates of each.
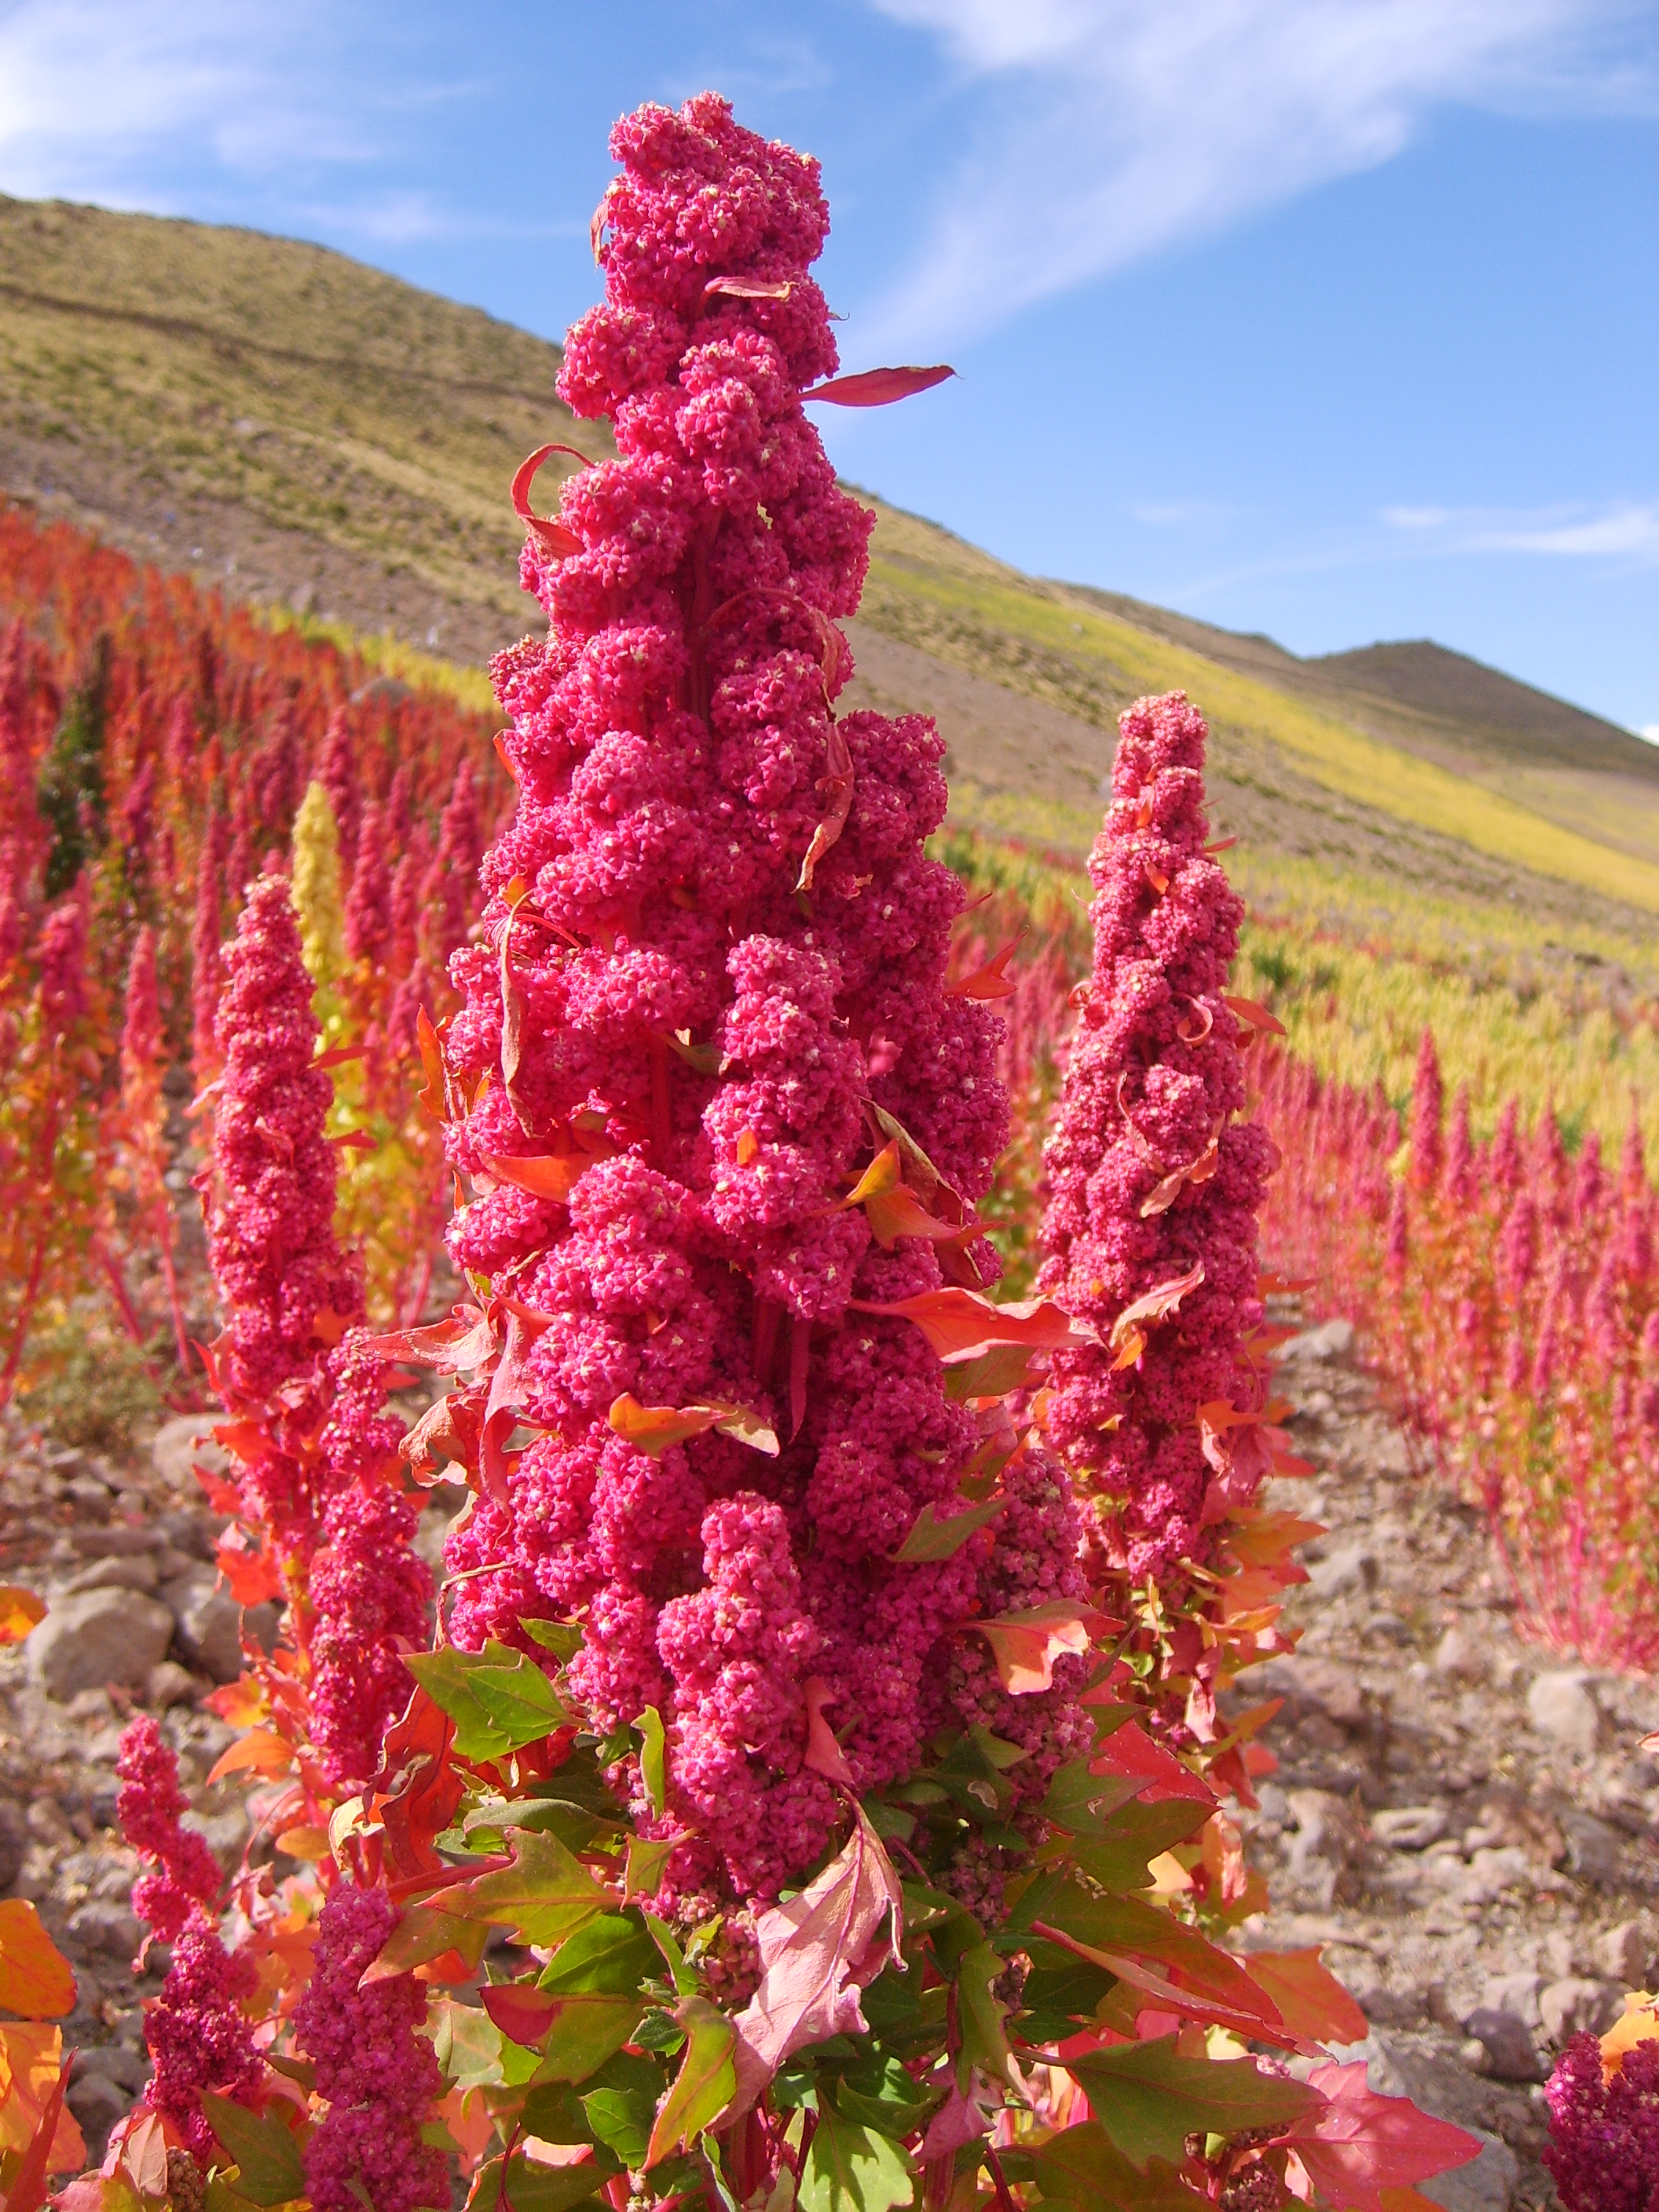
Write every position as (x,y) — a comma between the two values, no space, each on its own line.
(198,2036)
(714,946)
(1156,1179)
(271,1230)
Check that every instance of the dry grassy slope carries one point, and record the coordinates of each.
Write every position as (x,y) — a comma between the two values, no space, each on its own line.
(300,428)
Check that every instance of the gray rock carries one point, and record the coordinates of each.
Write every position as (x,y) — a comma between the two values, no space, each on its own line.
(135,1572)
(1490,1872)
(97,2102)
(104,1923)
(14,1842)
(210,1623)
(1332,1339)
(1456,1655)
(169,1684)
(1410,1827)
(1351,1567)
(1309,1684)
(1489,2183)
(102,1636)
(1623,1953)
(184,1443)
(1507,2041)
(1576,2005)
(1515,1993)
(1560,1707)
(118,1543)
(130,2069)
(88,1493)
(1592,1848)
(184,1530)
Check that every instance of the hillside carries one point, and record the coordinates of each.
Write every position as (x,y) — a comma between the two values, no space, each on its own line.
(300,429)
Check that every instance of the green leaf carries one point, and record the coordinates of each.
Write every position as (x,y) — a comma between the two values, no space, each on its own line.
(887,2098)
(653,1758)
(1149,2100)
(545,1895)
(1060,1989)
(613,1953)
(425,1933)
(852,2168)
(621,2106)
(269,2170)
(994,1373)
(686,1981)
(979,2017)
(930,1538)
(1116,1858)
(563,1636)
(705,2084)
(589,2026)
(646,1861)
(574,1824)
(553,2110)
(533,2187)
(497,1697)
(1083,2166)
(1080,1802)
(471,2050)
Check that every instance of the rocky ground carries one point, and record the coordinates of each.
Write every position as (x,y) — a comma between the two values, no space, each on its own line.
(1462,1821)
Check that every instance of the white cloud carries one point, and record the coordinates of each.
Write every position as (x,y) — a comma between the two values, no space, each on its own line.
(1111,129)
(1625,530)
(1651,731)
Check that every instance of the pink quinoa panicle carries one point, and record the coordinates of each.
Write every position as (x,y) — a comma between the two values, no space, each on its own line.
(1154,1082)
(376,2074)
(197,2034)
(725,942)
(271,1230)
(1603,2153)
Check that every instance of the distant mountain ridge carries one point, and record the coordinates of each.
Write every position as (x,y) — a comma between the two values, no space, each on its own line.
(298,428)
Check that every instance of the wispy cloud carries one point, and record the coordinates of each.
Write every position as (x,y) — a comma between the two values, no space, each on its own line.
(1106,130)
(1625,530)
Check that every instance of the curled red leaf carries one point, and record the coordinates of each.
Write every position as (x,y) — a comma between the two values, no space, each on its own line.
(876,387)
(558,538)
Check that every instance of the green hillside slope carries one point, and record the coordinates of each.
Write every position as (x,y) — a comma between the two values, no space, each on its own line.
(302,429)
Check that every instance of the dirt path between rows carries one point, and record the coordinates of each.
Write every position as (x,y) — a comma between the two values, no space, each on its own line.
(1462,1821)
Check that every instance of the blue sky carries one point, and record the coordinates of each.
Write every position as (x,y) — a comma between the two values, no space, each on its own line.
(1334,319)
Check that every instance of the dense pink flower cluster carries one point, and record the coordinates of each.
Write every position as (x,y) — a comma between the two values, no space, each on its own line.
(197,2034)
(271,1230)
(1154,1179)
(378,2077)
(721,939)
(1603,2152)
(326,1488)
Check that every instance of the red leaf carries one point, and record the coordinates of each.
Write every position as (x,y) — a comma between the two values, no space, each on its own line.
(523,2013)
(1362,2144)
(252,1576)
(554,535)
(1129,1339)
(836,785)
(823,1755)
(959,1324)
(1309,1998)
(875,387)
(35,1977)
(817,1952)
(546,1175)
(990,981)
(1130,1751)
(1255,1017)
(29,2185)
(1025,1646)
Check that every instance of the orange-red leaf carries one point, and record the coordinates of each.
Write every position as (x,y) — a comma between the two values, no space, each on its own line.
(1254,1016)
(836,785)
(991,980)
(558,538)
(823,1754)
(653,1429)
(261,1750)
(1362,2144)
(545,1175)
(1154,1305)
(20,1611)
(1026,1644)
(876,387)
(747,288)
(960,1324)
(1311,2000)
(36,1979)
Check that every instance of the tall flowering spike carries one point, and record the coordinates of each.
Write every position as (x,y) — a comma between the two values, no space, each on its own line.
(368,909)
(1156,1181)
(207,973)
(377,2075)
(1632,1158)
(198,2035)
(1428,1117)
(725,946)
(338,774)
(1462,1183)
(444,895)
(1507,1160)
(317,886)
(270,1230)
